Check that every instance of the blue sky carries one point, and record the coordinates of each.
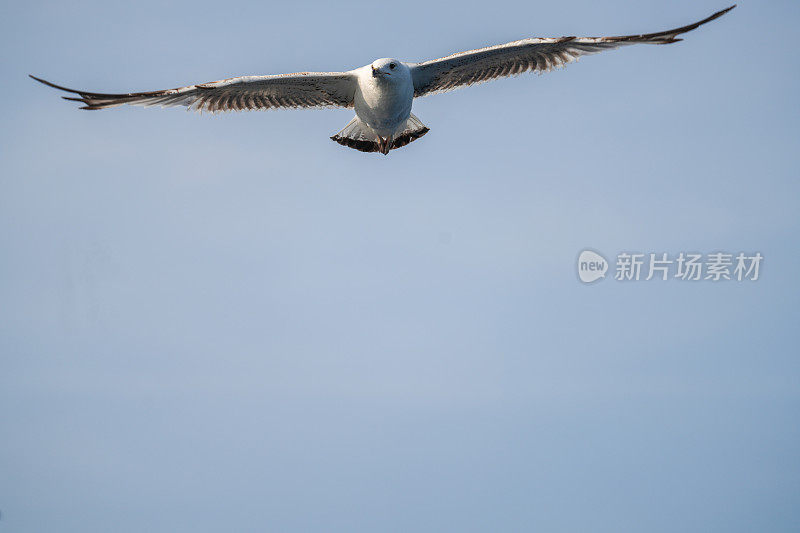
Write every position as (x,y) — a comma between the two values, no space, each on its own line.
(232,323)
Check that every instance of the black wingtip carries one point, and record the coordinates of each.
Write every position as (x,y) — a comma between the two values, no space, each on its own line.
(718,14)
(715,16)
(40,80)
(53,85)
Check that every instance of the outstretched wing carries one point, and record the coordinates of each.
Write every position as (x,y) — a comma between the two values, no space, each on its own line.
(484,64)
(301,90)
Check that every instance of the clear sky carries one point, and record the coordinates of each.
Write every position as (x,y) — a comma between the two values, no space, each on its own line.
(231,323)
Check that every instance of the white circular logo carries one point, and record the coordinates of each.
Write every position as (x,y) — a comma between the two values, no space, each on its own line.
(591,266)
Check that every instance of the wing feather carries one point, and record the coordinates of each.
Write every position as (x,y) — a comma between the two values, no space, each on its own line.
(301,90)
(538,54)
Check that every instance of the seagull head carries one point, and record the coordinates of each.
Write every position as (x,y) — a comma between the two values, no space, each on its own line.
(387,68)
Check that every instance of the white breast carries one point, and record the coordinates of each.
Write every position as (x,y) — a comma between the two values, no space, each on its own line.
(384,104)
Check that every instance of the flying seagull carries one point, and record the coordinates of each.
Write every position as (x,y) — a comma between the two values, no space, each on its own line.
(382,92)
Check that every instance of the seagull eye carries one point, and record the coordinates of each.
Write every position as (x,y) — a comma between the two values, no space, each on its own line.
(392,65)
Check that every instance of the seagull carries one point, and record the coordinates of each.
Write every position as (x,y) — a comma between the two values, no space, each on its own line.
(381,93)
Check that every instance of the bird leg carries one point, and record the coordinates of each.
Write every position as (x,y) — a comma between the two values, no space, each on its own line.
(384,145)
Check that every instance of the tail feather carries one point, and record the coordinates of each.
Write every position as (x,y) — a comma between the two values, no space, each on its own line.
(359,136)
(414,130)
